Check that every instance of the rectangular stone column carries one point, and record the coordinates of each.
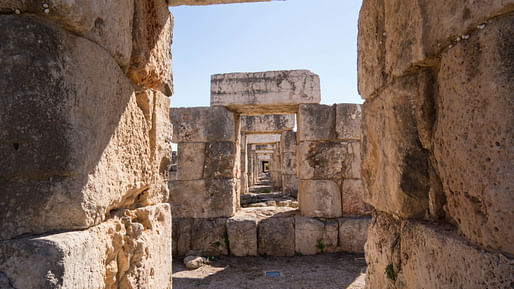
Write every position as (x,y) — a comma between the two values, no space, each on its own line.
(208,172)
(289,169)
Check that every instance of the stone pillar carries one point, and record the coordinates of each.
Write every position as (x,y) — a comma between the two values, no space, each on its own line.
(208,163)
(276,166)
(329,160)
(85,144)
(288,156)
(437,142)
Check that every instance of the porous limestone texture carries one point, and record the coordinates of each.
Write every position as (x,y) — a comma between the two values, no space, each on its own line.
(269,124)
(437,142)
(424,255)
(483,149)
(130,250)
(107,23)
(150,60)
(63,167)
(265,92)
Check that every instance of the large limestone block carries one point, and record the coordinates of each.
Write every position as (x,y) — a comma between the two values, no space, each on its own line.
(242,235)
(353,234)
(396,36)
(320,198)
(182,229)
(208,198)
(190,161)
(473,137)
(354,170)
(221,160)
(382,250)
(314,236)
(130,250)
(316,122)
(437,257)
(107,23)
(324,160)
(150,61)
(262,138)
(265,92)
(276,236)
(289,163)
(202,124)
(74,143)
(269,123)
(395,167)
(348,121)
(371,47)
(352,195)
(290,185)
(288,142)
(210,236)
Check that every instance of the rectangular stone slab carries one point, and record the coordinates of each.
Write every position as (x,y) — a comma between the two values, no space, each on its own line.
(270,123)
(265,92)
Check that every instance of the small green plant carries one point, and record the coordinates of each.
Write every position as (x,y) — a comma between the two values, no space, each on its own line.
(266,191)
(389,271)
(298,254)
(320,245)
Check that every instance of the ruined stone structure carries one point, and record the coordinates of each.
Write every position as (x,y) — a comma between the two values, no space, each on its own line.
(205,197)
(437,150)
(84,138)
(85,144)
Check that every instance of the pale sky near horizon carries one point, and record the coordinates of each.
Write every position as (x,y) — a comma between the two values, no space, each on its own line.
(320,36)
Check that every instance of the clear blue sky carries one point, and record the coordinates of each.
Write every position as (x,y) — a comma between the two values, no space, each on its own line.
(319,35)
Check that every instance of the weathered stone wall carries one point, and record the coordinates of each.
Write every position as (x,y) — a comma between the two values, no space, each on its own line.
(207,181)
(328,160)
(284,234)
(437,142)
(85,153)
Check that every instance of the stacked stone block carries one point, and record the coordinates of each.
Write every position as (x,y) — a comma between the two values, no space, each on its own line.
(289,167)
(328,157)
(284,234)
(84,153)
(437,131)
(207,162)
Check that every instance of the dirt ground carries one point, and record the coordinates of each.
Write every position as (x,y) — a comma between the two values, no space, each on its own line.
(325,271)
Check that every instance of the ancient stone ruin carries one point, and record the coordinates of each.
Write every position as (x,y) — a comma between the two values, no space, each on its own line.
(223,148)
(85,138)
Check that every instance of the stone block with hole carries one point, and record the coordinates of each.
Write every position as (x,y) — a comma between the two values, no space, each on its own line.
(327,160)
